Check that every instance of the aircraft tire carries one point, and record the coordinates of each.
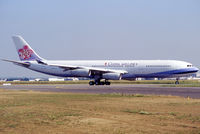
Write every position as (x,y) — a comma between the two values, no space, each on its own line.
(91,83)
(107,83)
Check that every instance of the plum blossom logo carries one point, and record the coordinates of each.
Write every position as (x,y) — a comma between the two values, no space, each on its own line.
(25,53)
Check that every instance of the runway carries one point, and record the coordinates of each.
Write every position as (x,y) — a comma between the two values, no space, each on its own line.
(192,92)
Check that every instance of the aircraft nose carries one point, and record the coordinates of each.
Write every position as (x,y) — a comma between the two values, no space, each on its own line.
(196,69)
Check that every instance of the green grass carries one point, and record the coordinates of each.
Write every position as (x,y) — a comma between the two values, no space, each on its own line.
(44,112)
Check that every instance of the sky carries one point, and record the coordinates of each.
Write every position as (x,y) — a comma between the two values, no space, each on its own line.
(100,29)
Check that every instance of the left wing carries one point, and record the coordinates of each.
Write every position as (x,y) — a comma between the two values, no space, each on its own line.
(92,69)
(65,67)
(102,70)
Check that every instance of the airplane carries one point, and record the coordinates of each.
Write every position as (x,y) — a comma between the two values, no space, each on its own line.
(101,71)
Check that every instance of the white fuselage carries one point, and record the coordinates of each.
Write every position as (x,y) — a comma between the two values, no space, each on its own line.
(100,69)
(134,68)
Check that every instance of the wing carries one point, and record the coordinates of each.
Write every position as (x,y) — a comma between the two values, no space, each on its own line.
(93,70)
(103,70)
(65,67)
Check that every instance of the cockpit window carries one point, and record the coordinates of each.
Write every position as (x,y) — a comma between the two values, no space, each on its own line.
(189,65)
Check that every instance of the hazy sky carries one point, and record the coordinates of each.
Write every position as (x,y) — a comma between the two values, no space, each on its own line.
(103,29)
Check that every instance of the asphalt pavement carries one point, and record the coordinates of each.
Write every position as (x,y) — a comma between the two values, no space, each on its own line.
(151,89)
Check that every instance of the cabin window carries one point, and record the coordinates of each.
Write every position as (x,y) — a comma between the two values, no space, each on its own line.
(157,65)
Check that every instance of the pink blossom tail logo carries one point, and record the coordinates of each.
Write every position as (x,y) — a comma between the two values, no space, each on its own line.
(25,53)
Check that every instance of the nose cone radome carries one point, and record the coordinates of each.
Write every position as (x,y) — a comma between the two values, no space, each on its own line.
(196,69)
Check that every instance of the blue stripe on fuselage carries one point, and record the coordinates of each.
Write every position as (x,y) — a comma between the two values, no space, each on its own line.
(169,73)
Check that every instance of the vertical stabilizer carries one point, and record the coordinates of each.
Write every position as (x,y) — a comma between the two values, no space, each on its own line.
(24,51)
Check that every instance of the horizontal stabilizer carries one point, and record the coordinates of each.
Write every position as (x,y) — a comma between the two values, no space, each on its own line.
(17,63)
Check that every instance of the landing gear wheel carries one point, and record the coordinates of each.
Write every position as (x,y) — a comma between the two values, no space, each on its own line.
(97,83)
(91,83)
(102,83)
(107,83)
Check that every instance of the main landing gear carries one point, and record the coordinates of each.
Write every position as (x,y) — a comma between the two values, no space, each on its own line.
(98,82)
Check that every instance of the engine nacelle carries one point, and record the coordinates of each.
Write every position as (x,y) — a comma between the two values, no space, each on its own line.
(112,76)
(80,72)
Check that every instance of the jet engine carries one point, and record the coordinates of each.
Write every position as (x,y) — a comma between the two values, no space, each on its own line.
(112,76)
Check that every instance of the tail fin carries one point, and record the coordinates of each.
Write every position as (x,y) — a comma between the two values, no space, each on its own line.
(25,52)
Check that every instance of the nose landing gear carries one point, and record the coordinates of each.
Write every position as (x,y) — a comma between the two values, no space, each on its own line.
(177,82)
